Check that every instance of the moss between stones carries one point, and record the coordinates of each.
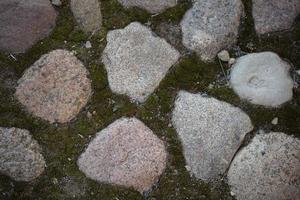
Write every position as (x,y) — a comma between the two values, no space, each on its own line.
(62,144)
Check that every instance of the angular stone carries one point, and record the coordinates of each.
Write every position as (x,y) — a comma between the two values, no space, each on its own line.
(87,14)
(273,15)
(136,61)
(268,168)
(210,26)
(21,157)
(262,78)
(23,23)
(210,131)
(153,6)
(126,153)
(55,87)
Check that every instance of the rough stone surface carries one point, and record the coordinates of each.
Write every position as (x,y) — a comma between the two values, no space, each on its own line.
(153,6)
(211,131)
(274,15)
(126,153)
(55,87)
(20,155)
(87,14)
(268,168)
(136,61)
(211,25)
(23,23)
(262,78)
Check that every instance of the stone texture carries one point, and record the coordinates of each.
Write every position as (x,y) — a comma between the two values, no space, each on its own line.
(274,15)
(87,14)
(126,153)
(20,155)
(210,26)
(55,87)
(153,6)
(262,78)
(268,168)
(210,131)
(136,61)
(23,23)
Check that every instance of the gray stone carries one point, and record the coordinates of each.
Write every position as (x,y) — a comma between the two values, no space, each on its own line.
(23,23)
(21,157)
(273,15)
(211,25)
(136,61)
(268,168)
(153,6)
(87,14)
(262,78)
(56,2)
(55,87)
(210,131)
(126,153)
(224,55)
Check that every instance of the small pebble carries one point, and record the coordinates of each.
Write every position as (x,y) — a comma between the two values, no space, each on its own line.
(275,121)
(188,168)
(232,193)
(88,45)
(231,61)
(55,181)
(298,72)
(224,56)
(56,2)
(89,115)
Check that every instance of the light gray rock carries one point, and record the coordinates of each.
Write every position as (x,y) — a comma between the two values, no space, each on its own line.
(268,168)
(21,157)
(126,153)
(262,78)
(274,15)
(153,6)
(87,14)
(23,23)
(56,2)
(211,25)
(224,55)
(55,87)
(210,131)
(136,61)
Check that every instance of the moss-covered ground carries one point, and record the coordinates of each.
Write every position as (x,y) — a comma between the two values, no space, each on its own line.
(63,143)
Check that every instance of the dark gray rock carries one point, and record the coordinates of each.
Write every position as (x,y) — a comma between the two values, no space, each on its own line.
(23,23)
(20,155)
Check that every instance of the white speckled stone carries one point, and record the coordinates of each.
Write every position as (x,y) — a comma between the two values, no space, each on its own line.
(268,168)
(210,131)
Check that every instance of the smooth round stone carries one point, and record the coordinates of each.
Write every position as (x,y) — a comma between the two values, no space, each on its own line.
(21,157)
(55,88)
(268,168)
(263,79)
(126,153)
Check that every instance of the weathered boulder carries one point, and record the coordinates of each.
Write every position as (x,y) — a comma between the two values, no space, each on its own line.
(210,131)
(273,15)
(262,78)
(87,14)
(23,23)
(268,168)
(21,157)
(153,6)
(126,153)
(211,25)
(136,61)
(55,87)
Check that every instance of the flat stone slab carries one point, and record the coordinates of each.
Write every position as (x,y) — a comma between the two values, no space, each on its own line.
(87,14)
(273,15)
(136,61)
(55,88)
(153,6)
(126,153)
(210,131)
(23,23)
(263,79)
(268,168)
(211,26)
(21,157)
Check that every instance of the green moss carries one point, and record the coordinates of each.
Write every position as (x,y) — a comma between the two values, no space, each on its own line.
(63,143)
